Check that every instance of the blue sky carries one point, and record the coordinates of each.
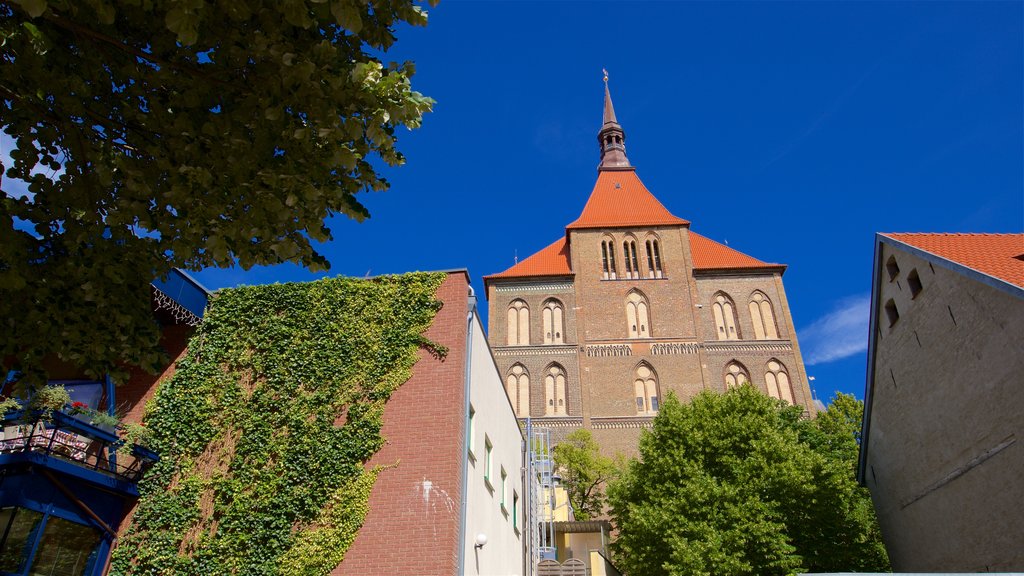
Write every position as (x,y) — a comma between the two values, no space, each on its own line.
(836,120)
(792,130)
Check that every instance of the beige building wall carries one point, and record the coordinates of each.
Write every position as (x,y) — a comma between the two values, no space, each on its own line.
(944,454)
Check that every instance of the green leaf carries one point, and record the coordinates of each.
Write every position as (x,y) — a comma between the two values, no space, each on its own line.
(35,8)
(348,14)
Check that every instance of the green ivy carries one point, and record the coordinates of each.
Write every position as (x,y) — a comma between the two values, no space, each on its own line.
(265,427)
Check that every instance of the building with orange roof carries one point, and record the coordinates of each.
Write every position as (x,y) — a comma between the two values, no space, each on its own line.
(629,305)
(940,451)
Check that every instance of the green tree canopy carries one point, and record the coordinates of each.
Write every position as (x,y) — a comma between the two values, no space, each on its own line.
(179,133)
(739,483)
(584,471)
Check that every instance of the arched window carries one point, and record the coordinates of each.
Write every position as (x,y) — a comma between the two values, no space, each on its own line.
(725,317)
(735,375)
(653,258)
(517,386)
(762,316)
(645,389)
(554,324)
(608,258)
(777,379)
(554,391)
(518,323)
(637,318)
(632,262)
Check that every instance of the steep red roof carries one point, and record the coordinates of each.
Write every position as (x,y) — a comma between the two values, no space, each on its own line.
(998,255)
(710,255)
(621,200)
(550,261)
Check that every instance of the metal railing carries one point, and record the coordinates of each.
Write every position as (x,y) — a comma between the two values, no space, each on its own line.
(64,437)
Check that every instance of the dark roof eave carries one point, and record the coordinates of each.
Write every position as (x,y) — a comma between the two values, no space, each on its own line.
(500,278)
(780,268)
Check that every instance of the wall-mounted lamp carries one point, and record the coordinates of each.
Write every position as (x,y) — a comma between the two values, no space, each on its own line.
(481,539)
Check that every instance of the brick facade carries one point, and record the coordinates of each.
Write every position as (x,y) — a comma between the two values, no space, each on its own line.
(680,344)
(404,532)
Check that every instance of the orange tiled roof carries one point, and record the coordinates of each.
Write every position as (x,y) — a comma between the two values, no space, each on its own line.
(710,255)
(997,255)
(620,199)
(550,261)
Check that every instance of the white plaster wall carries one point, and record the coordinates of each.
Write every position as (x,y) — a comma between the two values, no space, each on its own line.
(494,419)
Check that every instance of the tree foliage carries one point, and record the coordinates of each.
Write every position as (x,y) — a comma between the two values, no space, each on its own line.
(265,426)
(179,133)
(584,472)
(739,483)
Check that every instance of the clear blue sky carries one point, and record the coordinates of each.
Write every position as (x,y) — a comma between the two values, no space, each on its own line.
(837,119)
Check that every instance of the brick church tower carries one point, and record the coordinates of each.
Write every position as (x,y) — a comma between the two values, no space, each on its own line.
(630,304)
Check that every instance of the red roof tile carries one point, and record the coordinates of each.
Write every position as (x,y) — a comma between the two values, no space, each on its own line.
(997,255)
(619,200)
(551,261)
(710,255)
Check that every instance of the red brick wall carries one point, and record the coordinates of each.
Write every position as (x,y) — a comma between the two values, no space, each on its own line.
(415,507)
(131,396)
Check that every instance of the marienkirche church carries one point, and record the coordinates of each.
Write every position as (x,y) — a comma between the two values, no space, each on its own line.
(631,304)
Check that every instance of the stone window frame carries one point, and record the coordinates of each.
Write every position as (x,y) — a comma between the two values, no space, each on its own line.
(719,301)
(636,331)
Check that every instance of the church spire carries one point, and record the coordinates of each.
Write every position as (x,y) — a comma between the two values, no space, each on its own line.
(611,138)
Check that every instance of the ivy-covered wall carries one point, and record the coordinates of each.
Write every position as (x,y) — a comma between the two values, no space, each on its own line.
(266,424)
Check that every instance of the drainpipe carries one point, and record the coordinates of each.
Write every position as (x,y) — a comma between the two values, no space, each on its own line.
(470,316)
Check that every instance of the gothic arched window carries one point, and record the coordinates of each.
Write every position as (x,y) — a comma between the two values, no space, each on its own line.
(554,391)
(762,316)
(608,258)
(735,375)
(645,389)
(554,322)
(632,262)
(777,379)
(517,386)
(725,317)
(518,323)
(637,315)
(653,258)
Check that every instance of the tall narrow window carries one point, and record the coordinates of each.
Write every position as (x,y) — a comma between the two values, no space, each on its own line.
(488,461)
(637,320)
(653,259)
(632,262)
(650,260)
(735,375)
(554,391)
(518,323)
(611,259)
(515,510)
(472,430)
(645,389)
(777,379)
(629,263)
(517,386)
(725,317)
(554,324)
(762,316)
(605,270)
